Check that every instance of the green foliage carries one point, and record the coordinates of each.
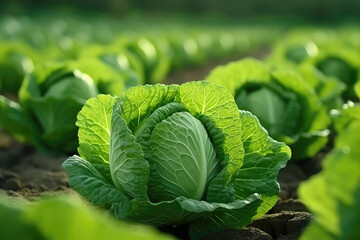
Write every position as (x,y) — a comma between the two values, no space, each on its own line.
(333,196)
(16,60)
(176,154)
(284,103)
(342,118)
(51,97)
(322,52)
(64,217)
(342,63)
(357,89)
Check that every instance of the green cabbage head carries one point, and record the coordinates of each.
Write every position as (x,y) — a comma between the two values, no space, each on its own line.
(175,154)
(285,104)
(50,99)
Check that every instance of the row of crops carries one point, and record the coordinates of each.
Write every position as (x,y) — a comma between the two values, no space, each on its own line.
(203,153)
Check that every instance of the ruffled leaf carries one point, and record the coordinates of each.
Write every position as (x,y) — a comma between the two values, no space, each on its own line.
(89,183)
(129,169)
(264,157)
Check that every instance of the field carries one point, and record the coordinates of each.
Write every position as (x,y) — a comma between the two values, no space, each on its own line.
(200,129)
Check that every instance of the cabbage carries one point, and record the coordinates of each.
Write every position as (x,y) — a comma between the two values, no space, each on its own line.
(166,155)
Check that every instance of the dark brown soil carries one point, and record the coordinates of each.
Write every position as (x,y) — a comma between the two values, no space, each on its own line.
(249,233)
(200,72)
(27,173)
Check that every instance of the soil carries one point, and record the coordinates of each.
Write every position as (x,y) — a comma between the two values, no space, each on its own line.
(27,173)
(200,72)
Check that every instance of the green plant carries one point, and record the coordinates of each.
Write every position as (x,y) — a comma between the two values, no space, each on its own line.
(333,196)
(155,61)
(284,103)
(340,62)
(50,98)
(64,217)
(16,60)
(328,88)
(120,60)
(175,154)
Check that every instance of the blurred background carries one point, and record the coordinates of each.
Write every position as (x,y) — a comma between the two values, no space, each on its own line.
(306,10)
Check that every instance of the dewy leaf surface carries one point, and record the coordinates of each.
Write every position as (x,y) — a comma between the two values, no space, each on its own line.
(214,106)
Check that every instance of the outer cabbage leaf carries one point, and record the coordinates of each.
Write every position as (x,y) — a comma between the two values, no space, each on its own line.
(49,219)
(129,169)
(89,183)
(236,74)
(16,60)
(14,120)
(57,122)
(290,54)
(342,118)
(48,97)
(334,194)
(156,63)
(12,225)
(314,120)
(357,89)
(119,59)
(328,88)
(264,157)
(94,122)
(340,62)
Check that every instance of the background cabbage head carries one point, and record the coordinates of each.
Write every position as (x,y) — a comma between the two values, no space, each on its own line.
(50,98)
(284,103)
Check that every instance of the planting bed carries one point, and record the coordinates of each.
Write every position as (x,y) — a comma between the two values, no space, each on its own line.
(266,144)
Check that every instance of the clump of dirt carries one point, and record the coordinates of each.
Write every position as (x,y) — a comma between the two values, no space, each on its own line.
(27,173)
(248,233)
(283,225)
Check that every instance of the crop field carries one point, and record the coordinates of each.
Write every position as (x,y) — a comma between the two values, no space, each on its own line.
(189,128)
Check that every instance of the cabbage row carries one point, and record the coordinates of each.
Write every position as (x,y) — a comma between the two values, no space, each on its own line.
(204,153)
(49,68)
